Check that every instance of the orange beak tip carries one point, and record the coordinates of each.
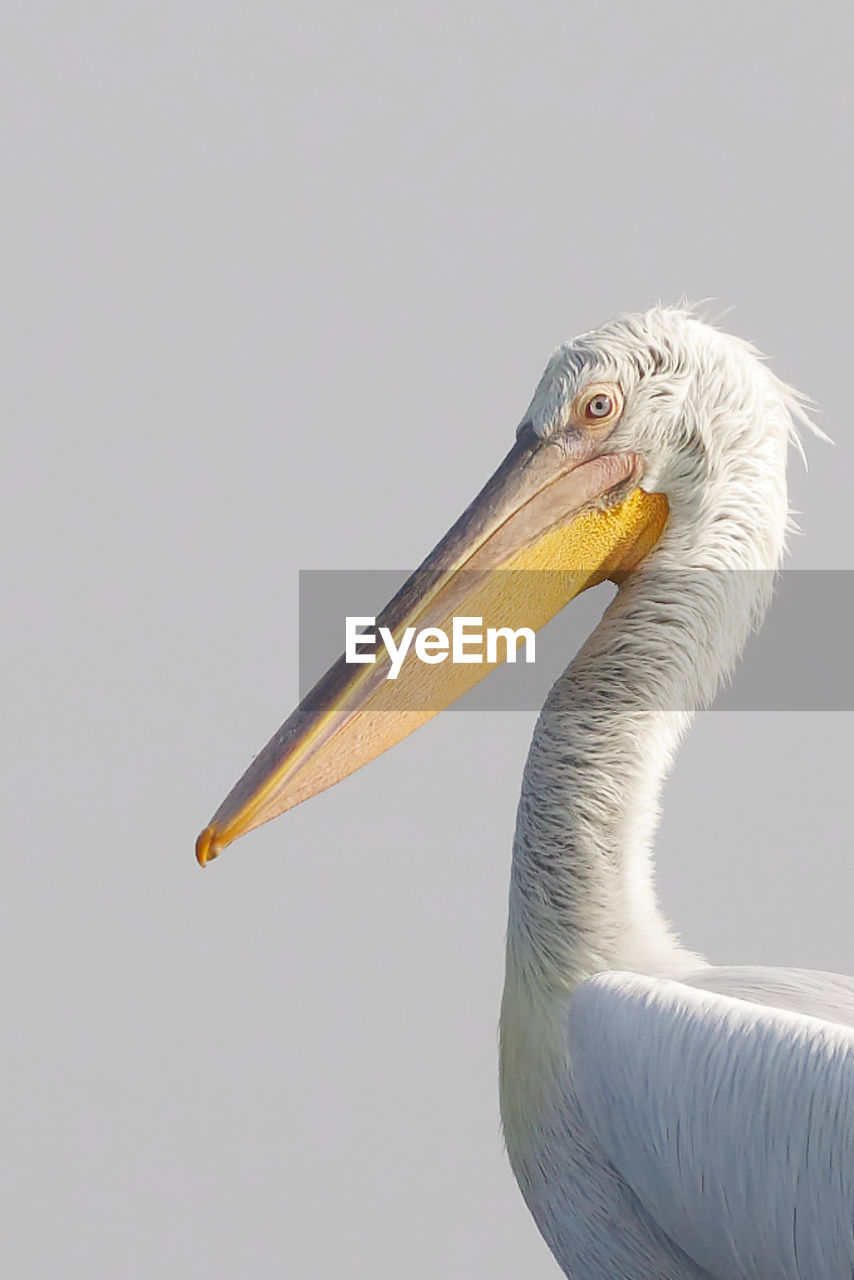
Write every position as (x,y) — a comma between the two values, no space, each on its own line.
(207,847)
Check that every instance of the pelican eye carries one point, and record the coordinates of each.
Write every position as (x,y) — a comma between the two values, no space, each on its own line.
(599,405)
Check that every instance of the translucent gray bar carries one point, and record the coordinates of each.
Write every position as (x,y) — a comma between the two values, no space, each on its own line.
(801,659)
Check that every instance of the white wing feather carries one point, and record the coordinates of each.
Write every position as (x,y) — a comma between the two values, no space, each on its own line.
(829,996)
(731,1120)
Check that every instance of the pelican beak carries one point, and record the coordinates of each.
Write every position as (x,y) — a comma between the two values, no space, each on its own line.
(567,517)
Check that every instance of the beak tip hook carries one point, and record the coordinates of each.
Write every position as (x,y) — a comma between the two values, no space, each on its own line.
(207,847)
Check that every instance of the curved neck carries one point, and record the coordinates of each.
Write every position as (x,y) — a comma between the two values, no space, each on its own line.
(582,898)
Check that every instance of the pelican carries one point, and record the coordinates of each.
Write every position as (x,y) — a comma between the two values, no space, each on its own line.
(664,1118)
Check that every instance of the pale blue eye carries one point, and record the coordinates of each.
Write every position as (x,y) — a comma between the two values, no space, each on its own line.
(599,406)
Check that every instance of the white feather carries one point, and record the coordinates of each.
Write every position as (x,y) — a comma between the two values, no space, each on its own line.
(732,1120)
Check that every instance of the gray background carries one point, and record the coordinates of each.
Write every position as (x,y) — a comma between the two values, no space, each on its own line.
(279,280)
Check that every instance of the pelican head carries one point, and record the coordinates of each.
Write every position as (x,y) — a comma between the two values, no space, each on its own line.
(702,411)
(653,442)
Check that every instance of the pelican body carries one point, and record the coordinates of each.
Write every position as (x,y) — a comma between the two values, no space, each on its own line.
(665,1119)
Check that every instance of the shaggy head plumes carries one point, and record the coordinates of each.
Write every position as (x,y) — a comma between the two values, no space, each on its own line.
(709,418)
